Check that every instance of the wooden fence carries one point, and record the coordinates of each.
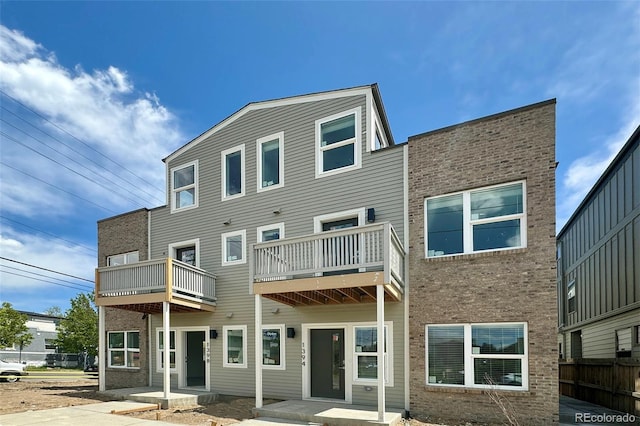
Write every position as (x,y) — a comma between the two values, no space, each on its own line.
(612,383)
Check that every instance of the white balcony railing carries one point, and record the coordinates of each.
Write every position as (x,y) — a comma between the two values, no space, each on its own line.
(155,276)
(359,249)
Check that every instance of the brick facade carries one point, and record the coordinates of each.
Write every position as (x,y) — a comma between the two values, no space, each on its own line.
(513,285)
(121,234)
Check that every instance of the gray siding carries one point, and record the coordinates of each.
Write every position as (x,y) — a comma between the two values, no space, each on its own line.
(378,184)
(599,338)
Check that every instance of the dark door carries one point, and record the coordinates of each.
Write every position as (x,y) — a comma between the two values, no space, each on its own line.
(335,251)
(195,358)
(327,363)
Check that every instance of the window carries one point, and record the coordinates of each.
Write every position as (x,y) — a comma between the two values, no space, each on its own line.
(234,346)
(122,259)
(338,143)
(270,159)
(571,296)
(477,355)
(379,141)
(160,350)
(484,219)
(184,187)
(270,232)
(233,172)
(186,251)
(273,347)
(124,349)
(366,353)
(233,247)
(50,344)
(624,342)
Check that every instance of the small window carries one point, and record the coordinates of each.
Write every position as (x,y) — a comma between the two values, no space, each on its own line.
(50,344)
(123,258)
(338,143)
(233,172)
(366,353)
(270,232)
(186,251)
(571,296)
(624,342)
(235,346)
(160,350)
(124,349)
(273,347)
(184,183)
(270,159)
(233,247)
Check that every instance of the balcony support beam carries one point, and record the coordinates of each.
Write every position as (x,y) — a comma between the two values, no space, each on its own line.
(258,349)
(166,382)
(381,372)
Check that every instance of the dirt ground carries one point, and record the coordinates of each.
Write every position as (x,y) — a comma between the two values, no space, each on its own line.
(34,395)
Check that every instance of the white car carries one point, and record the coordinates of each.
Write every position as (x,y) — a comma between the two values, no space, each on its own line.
(11,371)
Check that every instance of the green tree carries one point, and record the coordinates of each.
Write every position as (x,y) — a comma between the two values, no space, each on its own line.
(53,311)
(78,330)
(13,328)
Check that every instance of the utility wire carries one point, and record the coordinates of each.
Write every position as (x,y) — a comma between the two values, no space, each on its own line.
(45,269)
(44,281)
(46,276)
(48,233)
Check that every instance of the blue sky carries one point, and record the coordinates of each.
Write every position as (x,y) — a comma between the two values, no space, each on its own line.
(95,94)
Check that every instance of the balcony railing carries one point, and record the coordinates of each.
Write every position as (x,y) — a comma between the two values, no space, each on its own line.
(170,277)
(351,250)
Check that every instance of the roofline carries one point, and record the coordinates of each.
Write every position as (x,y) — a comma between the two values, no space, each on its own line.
(603,177)
(377,97)
(488,117)
(291,100)
(123,214)
(36,314)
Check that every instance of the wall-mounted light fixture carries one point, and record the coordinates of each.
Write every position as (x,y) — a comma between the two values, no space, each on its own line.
(227,222)
(213,334)
(277,211)
(371,215)
(275,310)
(291,332)
(230,315)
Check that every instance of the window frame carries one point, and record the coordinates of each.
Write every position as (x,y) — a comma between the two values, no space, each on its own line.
(283,338)
(223,169)
(259,179)
(174,247)
(469,357)
(174,190)
(356,141)
(388,354)
(225,346)
(571,296)
(468,223)
(125,350)
(260,229)
(126,258)
(223,237)
(159,351)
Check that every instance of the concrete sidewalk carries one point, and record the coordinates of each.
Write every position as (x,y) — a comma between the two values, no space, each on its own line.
(588,413)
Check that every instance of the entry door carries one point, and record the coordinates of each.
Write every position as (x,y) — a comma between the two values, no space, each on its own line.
(341,250)
(195,358)
(327,363)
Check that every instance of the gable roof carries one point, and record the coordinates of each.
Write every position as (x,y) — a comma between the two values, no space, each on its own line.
(292,100)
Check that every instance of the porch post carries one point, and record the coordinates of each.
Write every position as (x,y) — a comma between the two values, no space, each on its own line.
(381,343)
(102,359)
(258,350)
(166,383)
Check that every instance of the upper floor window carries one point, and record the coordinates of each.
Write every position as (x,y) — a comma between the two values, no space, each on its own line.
(270,159)
(184,186)
(270,232)
(233,172)
(186,251)
(123,258)
(233,247)
(571,296)
(491,218)
(338,142)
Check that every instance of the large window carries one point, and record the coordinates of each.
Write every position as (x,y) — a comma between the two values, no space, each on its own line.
(124,349)
(270,159)
(338,143)
(184,186)
(234,346)
(233,247)
(477,355)
(273,347)
(123,258)
(233,172)
(366,353)
(160,350)
(484,219)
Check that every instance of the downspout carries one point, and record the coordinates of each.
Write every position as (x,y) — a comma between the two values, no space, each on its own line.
(407,357)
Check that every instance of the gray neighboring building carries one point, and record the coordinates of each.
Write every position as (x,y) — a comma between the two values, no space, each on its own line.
(598,255)
(44,329)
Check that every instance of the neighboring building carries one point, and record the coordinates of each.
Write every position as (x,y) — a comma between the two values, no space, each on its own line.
(290,217)
(44,329)
(482,268)
(599,265)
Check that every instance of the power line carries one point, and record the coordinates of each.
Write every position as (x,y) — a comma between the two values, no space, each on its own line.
(46,276)
(44,281)
(48,233)
(48,270)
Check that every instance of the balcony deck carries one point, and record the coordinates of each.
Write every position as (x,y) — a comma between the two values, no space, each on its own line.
(144,286)
(334,267)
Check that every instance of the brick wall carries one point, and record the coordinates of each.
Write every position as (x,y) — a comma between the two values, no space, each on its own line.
(514,285)
(121,234)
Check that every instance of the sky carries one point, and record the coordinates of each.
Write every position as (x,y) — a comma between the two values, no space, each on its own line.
(95,94)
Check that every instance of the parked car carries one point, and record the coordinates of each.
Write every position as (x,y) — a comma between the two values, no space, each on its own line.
(11,371)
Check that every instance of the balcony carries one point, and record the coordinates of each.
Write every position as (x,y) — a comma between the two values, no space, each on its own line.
(334,267)
(144,286)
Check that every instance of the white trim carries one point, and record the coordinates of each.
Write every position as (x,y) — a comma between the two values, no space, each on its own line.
(224,236)
(223,169)
(159,368)
(182,244)
(314,97)
(180,351)
(260,229)
(356,142)
(225,353)
(259,142)
(389,376)
(172,190)
(283,338)
(360,213)
(374,127)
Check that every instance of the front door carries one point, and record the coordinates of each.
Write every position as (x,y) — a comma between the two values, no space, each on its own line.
(327,363)
(195,358)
